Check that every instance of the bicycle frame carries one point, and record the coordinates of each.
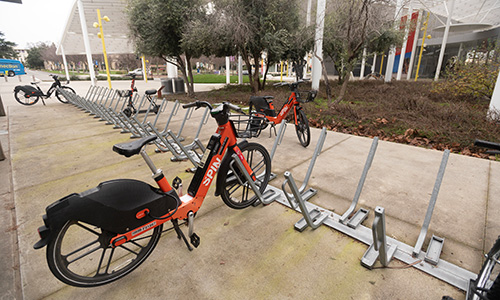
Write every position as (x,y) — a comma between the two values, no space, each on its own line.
(223,140)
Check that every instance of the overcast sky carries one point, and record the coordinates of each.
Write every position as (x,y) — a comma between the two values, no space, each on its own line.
(34,20)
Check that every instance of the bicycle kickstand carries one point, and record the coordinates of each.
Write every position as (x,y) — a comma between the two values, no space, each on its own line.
(180,234)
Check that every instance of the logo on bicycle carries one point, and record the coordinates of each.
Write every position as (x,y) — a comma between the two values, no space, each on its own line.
(143,228)
(284,111)
(211,172)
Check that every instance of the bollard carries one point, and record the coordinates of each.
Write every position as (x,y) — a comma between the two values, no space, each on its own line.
(2,110)
(2,156)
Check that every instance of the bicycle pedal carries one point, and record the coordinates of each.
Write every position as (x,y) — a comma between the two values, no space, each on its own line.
(195,240)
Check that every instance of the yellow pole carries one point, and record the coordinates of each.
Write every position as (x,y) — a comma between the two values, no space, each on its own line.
(104,48)
(422,47)
(281,73)
(144,73)
(381,64)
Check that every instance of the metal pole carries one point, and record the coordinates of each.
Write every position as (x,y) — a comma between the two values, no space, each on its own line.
(494,109)
(445,40)
(65,63)
(240,70)
(422,46)
(2,110)
(228,69)
(144,71)
(432,203)
(363,62)
(414,48)
(318,44)
(86,41)
(402,55)
(392,50)
(103,46)
(374,62)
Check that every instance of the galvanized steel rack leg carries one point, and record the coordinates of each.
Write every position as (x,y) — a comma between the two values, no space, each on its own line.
(279,139)
(265,198)
(379,249)
(436,243)
(362,213)
(313,218)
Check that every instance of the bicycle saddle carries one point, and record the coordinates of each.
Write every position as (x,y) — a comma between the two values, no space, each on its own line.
(132,148)
(150,92)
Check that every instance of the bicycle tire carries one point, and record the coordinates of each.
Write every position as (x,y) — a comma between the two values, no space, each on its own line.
(481,288)
(61,97)
(22,99)
(87,269)
(302,129)
(234,184)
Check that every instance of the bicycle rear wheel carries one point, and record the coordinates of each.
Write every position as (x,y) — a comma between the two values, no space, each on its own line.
(61,97)
(236,192)
(81,255)
(486,286)
(22,98)
(302,129)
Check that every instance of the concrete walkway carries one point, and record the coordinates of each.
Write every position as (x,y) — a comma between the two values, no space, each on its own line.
(254,253)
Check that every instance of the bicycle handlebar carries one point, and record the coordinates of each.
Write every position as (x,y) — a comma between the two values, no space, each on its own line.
(486,144)
(197,104)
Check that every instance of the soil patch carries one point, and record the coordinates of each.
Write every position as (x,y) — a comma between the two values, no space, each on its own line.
(402,111)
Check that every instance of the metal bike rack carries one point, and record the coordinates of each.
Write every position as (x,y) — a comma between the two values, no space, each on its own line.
(307,194)
(436,243)
(277,141)
(313,218)
(265,198)
(379,249)
(362,213)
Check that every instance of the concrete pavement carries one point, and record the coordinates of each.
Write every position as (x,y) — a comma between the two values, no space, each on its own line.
(254,253)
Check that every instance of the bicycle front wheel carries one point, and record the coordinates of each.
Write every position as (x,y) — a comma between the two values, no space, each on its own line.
(235,190)
(302,129)
(60,96)
(486,286)
(24,99)
(81,255)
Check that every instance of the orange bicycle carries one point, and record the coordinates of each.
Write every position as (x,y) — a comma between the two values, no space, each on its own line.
(102,234)
(262,106)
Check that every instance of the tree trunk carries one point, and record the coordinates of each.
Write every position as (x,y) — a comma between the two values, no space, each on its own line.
(327,83)
(181,65)
(343,89)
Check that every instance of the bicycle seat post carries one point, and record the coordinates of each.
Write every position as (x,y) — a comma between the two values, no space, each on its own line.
(151,165)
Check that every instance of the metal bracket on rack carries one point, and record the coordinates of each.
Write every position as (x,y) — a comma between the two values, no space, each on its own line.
(313,218)
(379,248)
(362,213)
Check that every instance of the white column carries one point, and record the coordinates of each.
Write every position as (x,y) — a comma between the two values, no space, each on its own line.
(308,15)
(494,110)
(374,62)
(445,40)
(363,62)
(240,70)
(414,48)
(392,51)
(171,70)
(403,48)
(65,63)
(228,69)
(318,45)
(86,42)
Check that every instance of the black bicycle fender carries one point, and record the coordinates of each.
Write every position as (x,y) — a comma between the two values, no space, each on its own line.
(226,160)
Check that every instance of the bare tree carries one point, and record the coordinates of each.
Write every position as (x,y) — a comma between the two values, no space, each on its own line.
(351,25)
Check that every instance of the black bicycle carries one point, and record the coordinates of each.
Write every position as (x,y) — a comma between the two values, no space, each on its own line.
(29,94)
